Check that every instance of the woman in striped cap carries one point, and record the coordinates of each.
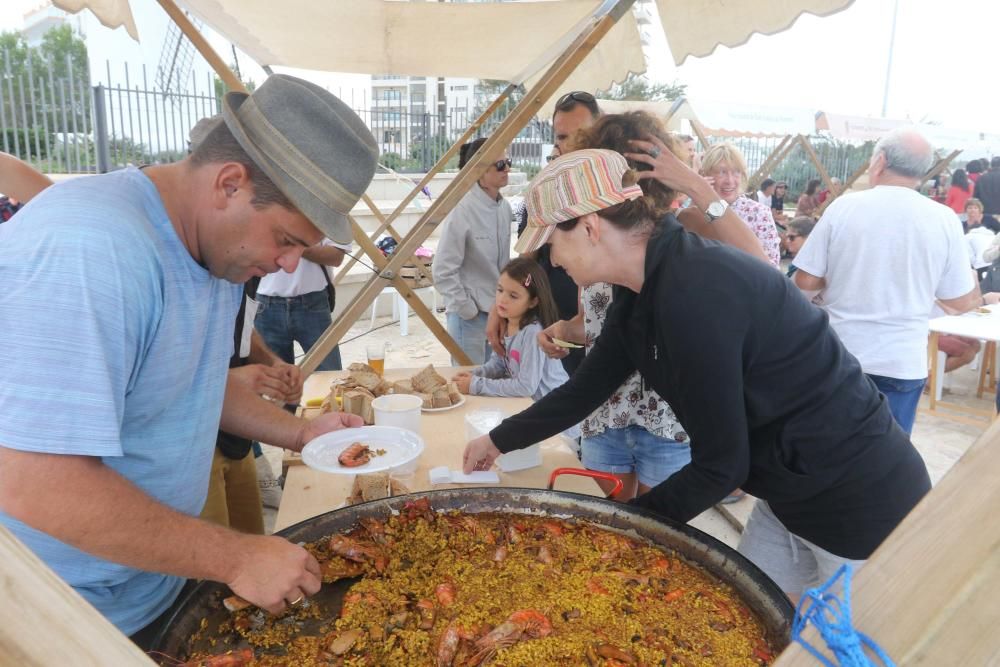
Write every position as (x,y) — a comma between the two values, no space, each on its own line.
(797,425)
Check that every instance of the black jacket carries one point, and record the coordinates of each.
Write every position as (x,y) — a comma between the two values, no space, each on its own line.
(988,191)
(772,400)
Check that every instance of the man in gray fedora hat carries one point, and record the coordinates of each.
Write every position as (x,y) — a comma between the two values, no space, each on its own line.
(120,293)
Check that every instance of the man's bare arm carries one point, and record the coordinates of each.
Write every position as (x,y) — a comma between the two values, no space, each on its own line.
(100,512)
(19,179)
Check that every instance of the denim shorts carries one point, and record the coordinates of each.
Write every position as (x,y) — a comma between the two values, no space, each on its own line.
(634,449)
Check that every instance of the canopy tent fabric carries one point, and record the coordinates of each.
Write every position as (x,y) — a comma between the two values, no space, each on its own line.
(726,119)
(454,39)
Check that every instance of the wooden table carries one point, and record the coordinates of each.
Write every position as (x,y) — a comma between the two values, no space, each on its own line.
(984,326)
(309,492)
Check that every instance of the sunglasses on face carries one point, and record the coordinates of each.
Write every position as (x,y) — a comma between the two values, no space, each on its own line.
(502,165)
(569,100)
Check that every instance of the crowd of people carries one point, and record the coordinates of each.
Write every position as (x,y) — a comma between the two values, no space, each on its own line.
(175,293)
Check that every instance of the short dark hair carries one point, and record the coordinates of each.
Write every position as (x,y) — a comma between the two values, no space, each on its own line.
(974,167)
(220,146)
(766,183)
(466,152)
(995,162)
(573,99)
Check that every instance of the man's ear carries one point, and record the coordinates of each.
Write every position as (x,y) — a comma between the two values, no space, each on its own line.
(230,179)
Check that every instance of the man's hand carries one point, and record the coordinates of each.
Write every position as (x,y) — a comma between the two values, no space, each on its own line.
(991,298)
(293,377)
(479,454)
(463,381)
(494,332)
(271,572)
(264,380)
(331,421)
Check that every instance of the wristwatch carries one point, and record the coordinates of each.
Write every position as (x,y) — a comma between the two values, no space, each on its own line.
(716,210)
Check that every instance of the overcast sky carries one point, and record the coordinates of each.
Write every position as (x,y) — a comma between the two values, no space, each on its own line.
(943,70)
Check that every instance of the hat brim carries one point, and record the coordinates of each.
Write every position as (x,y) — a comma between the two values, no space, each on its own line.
(533,237)
(334,225)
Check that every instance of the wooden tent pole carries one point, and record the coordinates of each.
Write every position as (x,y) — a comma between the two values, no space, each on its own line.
(436,169)
(200,43)
(408,293)
(847,186)
(515,121)
(940,166)
(768,165)
(421,270)
(700,133)
(823,173)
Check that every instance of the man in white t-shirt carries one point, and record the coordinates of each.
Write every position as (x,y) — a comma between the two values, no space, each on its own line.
(879,259)
(295,307)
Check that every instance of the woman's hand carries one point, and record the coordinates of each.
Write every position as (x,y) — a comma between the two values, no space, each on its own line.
(479,454)
(463,381)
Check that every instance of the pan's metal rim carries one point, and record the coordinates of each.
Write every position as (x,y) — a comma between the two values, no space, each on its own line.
(772,591)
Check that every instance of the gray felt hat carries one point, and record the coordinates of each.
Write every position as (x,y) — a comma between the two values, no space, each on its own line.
(310,144)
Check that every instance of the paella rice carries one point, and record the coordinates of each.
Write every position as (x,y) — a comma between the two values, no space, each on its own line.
(505,590)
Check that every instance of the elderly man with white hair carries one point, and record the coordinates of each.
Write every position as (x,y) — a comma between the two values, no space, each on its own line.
(879,259)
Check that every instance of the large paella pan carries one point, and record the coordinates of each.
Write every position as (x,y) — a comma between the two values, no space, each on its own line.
(500,576)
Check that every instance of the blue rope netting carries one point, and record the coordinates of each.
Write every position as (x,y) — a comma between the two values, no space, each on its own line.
(832,618)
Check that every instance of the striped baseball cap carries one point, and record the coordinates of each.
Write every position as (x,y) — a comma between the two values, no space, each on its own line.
(578,183)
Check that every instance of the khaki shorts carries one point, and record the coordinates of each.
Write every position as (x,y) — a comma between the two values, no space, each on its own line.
(234,494)
(794,563)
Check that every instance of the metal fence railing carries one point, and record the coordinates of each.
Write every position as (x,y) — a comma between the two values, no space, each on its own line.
(60,121)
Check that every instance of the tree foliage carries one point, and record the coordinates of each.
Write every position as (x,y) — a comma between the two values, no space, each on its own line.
(636,88)
(58,63)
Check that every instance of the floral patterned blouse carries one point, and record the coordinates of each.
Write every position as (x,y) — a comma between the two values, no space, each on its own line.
(631,403)
(761,222)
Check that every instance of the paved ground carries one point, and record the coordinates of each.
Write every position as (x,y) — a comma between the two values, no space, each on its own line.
(941,441)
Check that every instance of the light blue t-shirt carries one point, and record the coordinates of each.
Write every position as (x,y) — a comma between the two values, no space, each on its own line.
(116,345)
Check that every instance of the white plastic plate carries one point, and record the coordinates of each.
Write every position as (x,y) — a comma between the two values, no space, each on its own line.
(450,407)
(401,447)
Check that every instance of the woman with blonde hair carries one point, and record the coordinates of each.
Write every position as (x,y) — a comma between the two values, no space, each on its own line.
(723,165)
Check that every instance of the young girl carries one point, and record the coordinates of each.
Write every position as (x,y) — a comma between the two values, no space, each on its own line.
(524,301)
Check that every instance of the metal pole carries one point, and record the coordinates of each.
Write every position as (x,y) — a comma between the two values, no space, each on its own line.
(888,67)
(101,131)
(13,108)
(34,113)
(45,118)
(73,111)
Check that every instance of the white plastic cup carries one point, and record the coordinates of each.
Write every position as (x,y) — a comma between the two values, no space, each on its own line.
(400,410)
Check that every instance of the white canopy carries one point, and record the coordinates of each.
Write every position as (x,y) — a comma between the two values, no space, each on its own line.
(478,40)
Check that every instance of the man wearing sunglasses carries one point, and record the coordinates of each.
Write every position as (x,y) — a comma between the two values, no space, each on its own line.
(474,247)
(574,111)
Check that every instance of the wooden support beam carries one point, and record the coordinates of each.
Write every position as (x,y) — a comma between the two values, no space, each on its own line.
(200,43)
(411,297)
(848,184)
(515,121)
(435,170)
(823,173)
(48,623)
(928,595)
(421,270)
(939,166)
(768,165)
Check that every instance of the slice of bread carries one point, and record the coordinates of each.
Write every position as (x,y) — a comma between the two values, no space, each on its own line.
(440,398)
(403,387)
(427,380)
(453,393)
(427,399)
(358,401)
(360,368)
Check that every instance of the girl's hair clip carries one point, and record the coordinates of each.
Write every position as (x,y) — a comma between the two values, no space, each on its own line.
(527,281)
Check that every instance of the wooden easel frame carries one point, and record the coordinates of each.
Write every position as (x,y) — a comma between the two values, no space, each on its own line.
(517,119)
